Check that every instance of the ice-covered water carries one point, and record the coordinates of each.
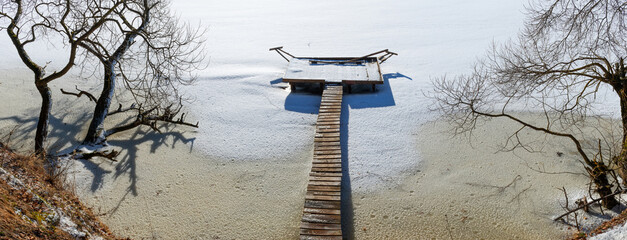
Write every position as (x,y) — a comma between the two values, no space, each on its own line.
(248,161)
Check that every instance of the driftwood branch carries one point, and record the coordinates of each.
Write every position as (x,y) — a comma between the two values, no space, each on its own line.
(101,151)
(587,204)
(80,93)
(111,155)
(151,117)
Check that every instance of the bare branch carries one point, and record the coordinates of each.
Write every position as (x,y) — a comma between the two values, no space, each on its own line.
(80,93)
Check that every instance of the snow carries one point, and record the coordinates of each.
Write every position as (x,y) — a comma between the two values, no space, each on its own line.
(261,134)
(302,68)
(432,38)
(618,232)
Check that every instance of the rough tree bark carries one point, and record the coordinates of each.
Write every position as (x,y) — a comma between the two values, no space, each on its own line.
(44,115)
(95,133)
(619,84)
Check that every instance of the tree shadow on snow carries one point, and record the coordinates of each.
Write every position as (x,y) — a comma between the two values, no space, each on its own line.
(129,148)
(65,134)
(63,131)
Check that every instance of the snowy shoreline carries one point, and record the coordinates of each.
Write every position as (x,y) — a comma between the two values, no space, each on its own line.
(167,186)
(248,161)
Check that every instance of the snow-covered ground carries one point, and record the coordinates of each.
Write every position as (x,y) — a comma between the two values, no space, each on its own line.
(242,174)
(432,38)
(618,232)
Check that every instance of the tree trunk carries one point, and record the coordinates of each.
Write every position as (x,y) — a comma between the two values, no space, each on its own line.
(621,160)
(603,187)
(96,131)
(44,114)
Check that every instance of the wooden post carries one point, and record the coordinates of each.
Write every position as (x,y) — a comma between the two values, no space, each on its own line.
(373,88)
(293,87)
(350,89)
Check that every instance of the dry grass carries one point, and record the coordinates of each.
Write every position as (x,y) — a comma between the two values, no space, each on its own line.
(24,216)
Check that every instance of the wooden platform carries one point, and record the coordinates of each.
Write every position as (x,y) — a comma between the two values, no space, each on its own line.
(333,71)
(321,214)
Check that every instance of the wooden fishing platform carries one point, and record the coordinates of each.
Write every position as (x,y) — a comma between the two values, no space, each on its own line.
(347,71)
(321,214)
(322,211)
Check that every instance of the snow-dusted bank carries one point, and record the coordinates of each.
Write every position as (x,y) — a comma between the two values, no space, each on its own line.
(243,173)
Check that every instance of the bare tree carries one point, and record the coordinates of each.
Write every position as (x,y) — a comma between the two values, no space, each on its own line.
(153,54)
(45,20)
(569,52)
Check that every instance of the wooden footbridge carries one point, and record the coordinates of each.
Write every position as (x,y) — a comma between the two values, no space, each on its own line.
(322,211)
(322,214)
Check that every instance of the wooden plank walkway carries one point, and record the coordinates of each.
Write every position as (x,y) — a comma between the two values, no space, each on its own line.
(321,214)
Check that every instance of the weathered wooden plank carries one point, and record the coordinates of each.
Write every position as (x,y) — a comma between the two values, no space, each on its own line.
(330,103)
(325,174)
(327,156)
(328,122)
(322,120)
(339,161)
(310,237)
(326,165)
(318,163)
(334,160)
(326,144)
(326,169)
(325,193)
(307,225)
(322,197)
(331,110)
(323,188)
(321,218)
(328,119)
(327,152)
(322,204)
(327,161)
(318,178)
(330,106)
(323,139)
(335,150)
(327,190)
(328,130)
(324,183)
(327,148)
(327,134)
(317,237)
(326,126)
(321,232)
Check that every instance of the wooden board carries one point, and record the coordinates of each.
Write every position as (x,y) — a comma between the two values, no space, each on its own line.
(321,213)
(334,70)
